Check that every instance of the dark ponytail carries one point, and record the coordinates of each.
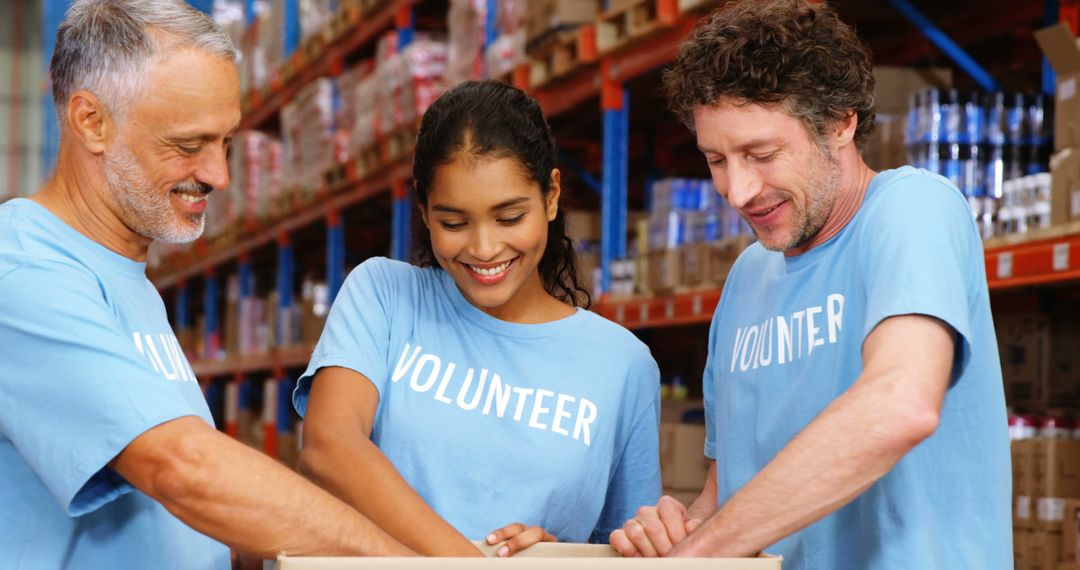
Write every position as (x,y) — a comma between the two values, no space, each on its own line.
(492,119)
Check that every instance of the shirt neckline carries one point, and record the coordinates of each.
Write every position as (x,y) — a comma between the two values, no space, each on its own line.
(483,320)
(796,262)
(52,223)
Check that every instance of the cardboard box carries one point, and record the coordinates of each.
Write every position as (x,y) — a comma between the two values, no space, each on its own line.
(1060,48)
(894,85)
(1023,465)
(543,556)
(683,464)
(548,15)
(1063,387)
(665,271)
(695,260)
(1024,348)
(685,497)
(1057,465)
(1065,186)
(1070,532)
(1021,545)
(1044,549)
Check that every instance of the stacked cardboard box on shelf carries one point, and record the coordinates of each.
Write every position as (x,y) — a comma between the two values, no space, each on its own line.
(308,134)
(1061,49)
(548,16)
(1046,488)
(1039,361)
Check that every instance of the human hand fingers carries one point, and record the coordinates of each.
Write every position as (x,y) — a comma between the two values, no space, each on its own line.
(622,544)
(672,514)
(520,537)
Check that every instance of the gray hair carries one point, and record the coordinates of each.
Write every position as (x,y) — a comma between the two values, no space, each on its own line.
(103,46)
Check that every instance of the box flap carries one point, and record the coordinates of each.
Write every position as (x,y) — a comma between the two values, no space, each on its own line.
(1060,48)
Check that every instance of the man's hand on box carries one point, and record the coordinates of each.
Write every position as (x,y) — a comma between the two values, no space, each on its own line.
(655,531)
(518,537)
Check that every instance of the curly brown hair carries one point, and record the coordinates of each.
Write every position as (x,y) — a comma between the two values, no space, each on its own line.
(786,52)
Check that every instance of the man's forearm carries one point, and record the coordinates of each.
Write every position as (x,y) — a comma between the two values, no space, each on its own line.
(245,499)
(835,458)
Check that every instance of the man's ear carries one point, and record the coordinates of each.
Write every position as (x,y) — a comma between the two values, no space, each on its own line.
(90,121)
(551,201)
(845,129)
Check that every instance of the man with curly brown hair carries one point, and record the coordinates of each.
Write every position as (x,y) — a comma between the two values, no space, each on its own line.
(853,389)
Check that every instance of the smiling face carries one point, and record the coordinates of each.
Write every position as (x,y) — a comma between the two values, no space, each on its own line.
(170,150)
(489,229)
(768,167)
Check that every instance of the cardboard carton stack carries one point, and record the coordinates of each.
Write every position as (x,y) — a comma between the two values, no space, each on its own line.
(1046,489)
(683,465)
(308,132)
(1060,47)
(547,17)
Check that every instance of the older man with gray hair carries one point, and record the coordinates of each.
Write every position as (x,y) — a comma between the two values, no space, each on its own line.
(107,450)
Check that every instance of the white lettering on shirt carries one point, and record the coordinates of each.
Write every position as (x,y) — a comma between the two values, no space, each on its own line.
(152,347)
(532,407)
(753,344)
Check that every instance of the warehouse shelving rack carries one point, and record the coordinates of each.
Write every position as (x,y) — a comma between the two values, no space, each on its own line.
(600,74)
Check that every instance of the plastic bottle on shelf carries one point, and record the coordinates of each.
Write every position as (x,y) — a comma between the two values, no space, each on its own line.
(1054,427)
(679,390)
(1021,427)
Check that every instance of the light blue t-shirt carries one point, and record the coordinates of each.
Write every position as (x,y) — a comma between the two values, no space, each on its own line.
(88,363)
(786,341)
(492,422)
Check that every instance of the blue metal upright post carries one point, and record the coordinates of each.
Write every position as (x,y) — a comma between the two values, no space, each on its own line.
(204,5)
(615,103)
(180,309)
(52,14)
(291,25)
(405,23)
(401,223)
(210,309)
(1049,79)
(335,253)
(245,276)
(284,404)
(284,288)
(491,23)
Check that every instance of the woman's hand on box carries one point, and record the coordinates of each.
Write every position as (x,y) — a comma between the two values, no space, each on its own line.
(518,537)
(655,530)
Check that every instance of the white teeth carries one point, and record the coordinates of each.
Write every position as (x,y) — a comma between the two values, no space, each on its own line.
(492,271)
(191,198)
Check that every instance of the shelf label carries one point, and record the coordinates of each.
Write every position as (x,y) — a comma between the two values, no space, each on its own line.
(620,313)
(1005,265)
(669,309)
(1061,256)
(643,312)
(696,307)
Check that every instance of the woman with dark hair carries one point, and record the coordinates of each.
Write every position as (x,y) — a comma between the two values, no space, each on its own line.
(447,399)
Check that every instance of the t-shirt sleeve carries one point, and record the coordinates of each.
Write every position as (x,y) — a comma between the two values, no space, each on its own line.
(635,481)
(708,388)
(357,331)
(922,256)
(74,391)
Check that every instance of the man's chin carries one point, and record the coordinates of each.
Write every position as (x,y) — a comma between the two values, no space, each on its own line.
(180,237)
